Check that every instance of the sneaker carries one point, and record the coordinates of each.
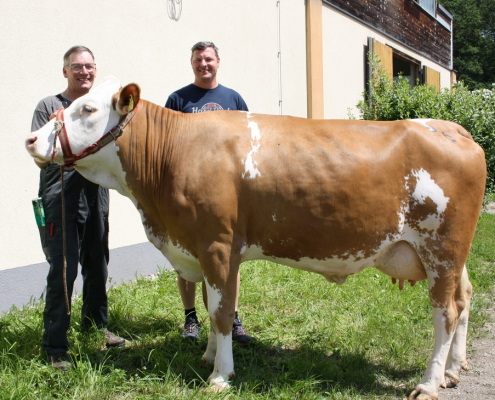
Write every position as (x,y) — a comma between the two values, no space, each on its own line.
(60,361)
(239,334)
(191,329)
(113,340)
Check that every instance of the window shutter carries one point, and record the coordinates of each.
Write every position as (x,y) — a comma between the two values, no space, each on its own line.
(386,55)
(431,77)
(453,79)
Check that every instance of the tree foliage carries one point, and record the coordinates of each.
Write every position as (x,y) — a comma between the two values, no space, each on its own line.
(474,110)
(474,41)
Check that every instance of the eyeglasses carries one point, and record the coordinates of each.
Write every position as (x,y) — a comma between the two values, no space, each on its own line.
(78,67)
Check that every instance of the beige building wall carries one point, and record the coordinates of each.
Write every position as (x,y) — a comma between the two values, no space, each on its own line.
(262,51)
(344,61)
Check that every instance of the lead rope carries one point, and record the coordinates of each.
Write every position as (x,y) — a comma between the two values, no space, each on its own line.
(58,127)
(64,240)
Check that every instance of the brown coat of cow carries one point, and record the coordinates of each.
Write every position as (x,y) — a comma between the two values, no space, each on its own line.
(332,197)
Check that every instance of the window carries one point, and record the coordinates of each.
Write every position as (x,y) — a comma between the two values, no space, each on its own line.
(405,66)
(396,63)
(428,5)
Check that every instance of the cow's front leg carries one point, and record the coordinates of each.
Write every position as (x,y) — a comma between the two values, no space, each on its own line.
(223,360)
(220,282)
(211,347)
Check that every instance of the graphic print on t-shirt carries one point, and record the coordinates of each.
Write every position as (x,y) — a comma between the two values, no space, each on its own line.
(207,107)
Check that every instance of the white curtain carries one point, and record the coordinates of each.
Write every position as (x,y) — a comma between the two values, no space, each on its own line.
(428,5)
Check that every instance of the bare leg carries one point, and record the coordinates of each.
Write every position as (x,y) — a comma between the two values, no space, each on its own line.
(237,289)
(187,292)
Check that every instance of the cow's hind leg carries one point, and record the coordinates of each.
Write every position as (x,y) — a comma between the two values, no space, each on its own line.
(445,319)
(457,356)
(220,270)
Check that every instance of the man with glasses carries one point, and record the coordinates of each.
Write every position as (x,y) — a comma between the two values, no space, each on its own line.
(86,226)
(205,94)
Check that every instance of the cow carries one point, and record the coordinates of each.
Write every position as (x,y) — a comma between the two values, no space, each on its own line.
(328,196)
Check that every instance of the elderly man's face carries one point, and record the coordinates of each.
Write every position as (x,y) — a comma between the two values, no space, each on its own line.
(80,79)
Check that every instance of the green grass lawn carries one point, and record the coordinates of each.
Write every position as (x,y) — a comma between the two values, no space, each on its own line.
(315,340)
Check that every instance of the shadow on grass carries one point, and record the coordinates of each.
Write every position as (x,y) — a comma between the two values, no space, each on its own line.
(158,350)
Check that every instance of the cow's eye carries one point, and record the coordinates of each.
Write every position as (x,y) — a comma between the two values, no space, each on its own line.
(89,109)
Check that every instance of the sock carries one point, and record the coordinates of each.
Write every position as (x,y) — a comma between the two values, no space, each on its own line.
(191,314)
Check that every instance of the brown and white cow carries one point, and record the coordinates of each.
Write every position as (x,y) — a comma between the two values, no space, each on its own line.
(332,197)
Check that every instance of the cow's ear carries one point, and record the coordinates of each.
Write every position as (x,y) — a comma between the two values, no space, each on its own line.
(128,98)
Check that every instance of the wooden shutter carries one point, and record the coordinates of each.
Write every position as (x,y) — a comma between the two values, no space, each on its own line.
(386,55)
(431,77)
(453,79)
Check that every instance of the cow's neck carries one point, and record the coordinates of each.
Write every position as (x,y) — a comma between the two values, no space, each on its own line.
(146,151)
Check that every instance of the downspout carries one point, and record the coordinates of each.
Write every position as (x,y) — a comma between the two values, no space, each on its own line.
(279,56)
(314,58)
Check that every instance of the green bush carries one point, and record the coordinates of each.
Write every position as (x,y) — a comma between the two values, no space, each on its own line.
(474,110)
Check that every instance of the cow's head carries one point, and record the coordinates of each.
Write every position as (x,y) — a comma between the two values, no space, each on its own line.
(86,120)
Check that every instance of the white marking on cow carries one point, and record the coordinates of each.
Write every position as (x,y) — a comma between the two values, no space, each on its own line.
(211,347)
(224,362)
(243,248)
(250,165)
(343,265)
(107,160)
(424,121)
(274,217)
(181,260)
(214,298)
(425,188)
(434,375)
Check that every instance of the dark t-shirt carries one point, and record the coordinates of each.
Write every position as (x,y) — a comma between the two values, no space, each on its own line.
(193,99)
(45,108)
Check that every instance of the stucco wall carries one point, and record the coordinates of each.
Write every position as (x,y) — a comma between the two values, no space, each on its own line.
(135,41)
(263,56)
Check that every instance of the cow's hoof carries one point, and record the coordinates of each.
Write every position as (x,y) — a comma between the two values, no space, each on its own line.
(417,395)
(217,387)
(465,366)
(219,383)
(450,381)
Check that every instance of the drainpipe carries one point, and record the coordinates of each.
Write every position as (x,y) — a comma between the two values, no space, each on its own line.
(314,58)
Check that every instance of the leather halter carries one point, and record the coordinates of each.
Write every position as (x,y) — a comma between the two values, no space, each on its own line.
(71,158)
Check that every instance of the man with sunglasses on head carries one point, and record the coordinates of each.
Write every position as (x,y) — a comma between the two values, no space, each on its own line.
(86,226)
